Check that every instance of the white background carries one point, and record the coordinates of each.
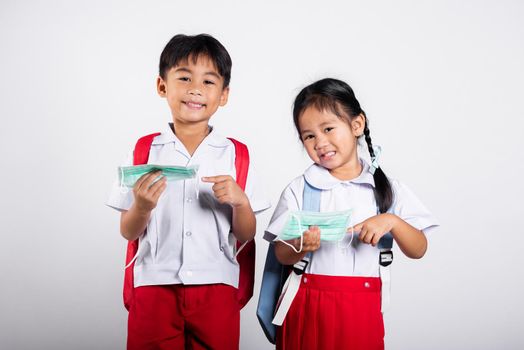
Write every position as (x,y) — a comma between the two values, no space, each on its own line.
(441,82)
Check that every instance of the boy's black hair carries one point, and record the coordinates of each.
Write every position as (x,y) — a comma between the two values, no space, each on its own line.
(337,97)
(184,47)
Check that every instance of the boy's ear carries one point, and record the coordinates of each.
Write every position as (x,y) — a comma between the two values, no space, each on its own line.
(357,125)
(161,86)
(224,96)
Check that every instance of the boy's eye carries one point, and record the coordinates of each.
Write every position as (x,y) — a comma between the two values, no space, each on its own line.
(209,82)
(184,78)
(307,137)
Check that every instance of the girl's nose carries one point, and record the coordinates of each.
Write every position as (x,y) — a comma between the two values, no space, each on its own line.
(320,142)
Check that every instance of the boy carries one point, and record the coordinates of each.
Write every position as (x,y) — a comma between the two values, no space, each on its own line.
(185,273)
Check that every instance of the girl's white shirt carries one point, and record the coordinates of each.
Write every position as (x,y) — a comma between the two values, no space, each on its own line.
(358,259)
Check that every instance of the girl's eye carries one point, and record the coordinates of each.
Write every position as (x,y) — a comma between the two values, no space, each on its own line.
(328,129)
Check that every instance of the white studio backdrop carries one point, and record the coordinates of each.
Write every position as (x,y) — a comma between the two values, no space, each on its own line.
(441,82)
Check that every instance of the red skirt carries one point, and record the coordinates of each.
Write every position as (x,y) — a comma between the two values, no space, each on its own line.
(333,312)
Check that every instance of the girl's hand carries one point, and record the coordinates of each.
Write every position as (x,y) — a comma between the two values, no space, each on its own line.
(310,240)
(147,193)
(371,230)
(227,191)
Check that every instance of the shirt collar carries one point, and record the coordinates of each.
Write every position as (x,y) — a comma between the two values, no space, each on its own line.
(319,177)
(212,139)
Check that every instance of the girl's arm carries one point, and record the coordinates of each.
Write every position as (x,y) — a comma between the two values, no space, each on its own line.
(311,242)
(411,241)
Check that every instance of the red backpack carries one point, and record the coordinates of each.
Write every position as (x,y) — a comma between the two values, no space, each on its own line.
(245,258)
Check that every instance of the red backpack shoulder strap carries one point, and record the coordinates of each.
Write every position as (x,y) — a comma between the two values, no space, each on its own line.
(246,256)
(142,147)
(140,156)
(241,162)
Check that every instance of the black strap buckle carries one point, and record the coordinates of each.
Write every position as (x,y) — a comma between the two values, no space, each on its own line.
(300,266)
(386,258)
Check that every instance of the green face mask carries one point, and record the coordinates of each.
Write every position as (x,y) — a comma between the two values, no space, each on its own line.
(129,175)
(333,226)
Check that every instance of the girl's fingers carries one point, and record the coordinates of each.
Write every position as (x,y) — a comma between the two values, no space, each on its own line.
(356,229)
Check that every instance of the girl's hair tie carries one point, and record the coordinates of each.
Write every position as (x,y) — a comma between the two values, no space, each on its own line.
(377,150)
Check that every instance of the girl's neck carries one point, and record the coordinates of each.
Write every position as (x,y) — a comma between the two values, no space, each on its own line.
(348,171)
(191,135)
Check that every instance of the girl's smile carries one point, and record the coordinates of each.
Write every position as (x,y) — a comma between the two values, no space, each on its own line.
(331,141)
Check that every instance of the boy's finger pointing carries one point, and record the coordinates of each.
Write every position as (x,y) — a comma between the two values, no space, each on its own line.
(214,179)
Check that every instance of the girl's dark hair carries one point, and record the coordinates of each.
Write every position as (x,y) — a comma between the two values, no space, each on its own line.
(337,97)
(183,47)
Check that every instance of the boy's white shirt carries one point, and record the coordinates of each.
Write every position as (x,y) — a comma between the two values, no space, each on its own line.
(358,259)
(188,238)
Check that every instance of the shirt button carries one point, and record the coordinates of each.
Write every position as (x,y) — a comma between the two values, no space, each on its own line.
(366,284)
(305,279)
(188,233)
(189,200)
(221,249)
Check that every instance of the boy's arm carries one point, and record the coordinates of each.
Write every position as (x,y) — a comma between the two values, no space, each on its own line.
(134,221)
(227,191)
(244,222)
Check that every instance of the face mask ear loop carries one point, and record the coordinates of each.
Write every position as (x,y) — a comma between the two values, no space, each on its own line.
(292,246)
(197,185)
(123,189)
(351,240)
(134,258)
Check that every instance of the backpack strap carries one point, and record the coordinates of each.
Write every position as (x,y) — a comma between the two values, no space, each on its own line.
(140,156)
(385,246)
(246,252)
(310,202)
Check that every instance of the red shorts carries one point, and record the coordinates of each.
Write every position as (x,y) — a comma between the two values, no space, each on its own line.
(184,317)
(331,312)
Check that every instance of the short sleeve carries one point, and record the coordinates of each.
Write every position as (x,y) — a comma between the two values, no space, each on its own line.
(289,201)
(255,191)
(119,198)
(409,208)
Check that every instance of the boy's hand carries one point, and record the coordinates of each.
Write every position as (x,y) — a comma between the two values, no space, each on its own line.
(371,230)
(227,191)
(147,193)
(311,240)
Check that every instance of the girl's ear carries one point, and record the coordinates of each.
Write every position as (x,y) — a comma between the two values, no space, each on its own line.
(358,124)
(161,87)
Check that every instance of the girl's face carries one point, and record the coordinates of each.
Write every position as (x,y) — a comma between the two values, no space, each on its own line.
(331,141)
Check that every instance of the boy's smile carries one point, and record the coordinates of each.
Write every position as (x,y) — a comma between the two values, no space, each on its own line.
(194,91)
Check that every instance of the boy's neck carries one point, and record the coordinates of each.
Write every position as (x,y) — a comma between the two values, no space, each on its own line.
(191,135)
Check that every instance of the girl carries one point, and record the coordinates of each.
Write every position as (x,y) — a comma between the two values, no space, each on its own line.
(338,303)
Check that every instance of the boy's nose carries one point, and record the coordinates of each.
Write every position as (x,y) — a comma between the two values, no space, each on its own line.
(194,91)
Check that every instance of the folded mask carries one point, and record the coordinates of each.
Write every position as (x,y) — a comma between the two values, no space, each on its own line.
(333,226)
(129,175)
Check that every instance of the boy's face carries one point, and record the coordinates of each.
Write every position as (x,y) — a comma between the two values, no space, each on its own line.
(194,91)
